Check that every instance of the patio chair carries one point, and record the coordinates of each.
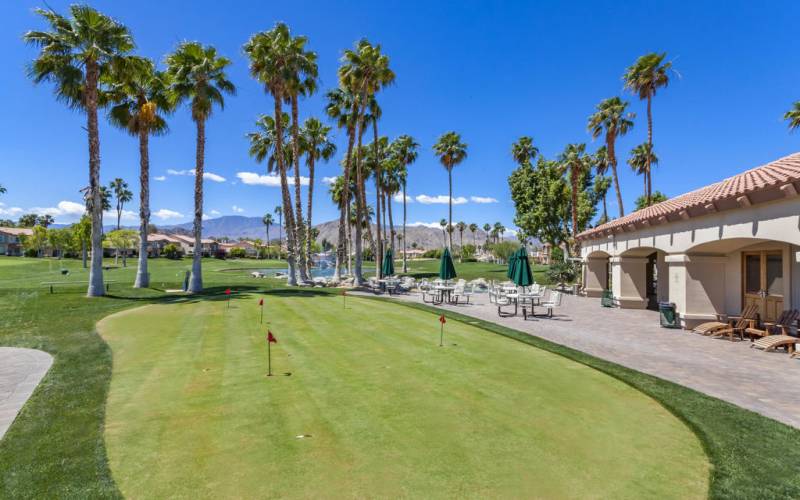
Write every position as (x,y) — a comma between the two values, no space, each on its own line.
(779,333)
(737,326)
(711,327)
(779,327)
(463,292)
(504,301)
(553,301)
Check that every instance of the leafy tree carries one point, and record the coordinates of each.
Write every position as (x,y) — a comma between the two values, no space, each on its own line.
(28,220)
(562,273)
(613,121)
(601,186)
(575,164)
(197,76)
(121,240)
(171,251)
(644,77)
(35,243)
(503,250)
(657,197)
(73,55)
(62,240)
(451,152)
(45,220)
(7,223)
(140,98)
(238,253)
(82,233)
(541,198)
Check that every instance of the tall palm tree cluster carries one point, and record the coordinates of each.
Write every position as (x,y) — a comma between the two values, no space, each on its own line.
(610,121)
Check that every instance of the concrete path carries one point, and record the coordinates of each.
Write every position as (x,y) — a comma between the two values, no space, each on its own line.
(21,370)
(730,371)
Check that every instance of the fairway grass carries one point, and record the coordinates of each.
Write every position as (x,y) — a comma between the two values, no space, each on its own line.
(385,411)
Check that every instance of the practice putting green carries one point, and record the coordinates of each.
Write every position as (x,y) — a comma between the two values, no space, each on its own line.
(373,408)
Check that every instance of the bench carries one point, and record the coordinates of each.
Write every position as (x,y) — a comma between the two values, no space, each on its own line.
(51,284)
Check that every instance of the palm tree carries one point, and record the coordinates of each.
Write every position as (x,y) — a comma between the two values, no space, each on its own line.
(139,94)
(451,151)
(341,106)
(793,116)
(2,189)
(443,223)
(197,75)
(123,195)
(461,226)
(302,72)
(486,228)
(267,220)
(393,176)
(499,229)
(316,145)
(611,119)
(404,149)
(473,228)
(364,72)
(643,78)
(279,212)
(72,56)
(640,161)
(574,163)
(45,221)
(272,62)
(523,151)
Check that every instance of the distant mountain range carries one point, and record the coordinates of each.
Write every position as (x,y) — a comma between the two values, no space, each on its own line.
(238,226)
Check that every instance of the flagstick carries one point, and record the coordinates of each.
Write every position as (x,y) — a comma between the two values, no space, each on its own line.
(441,334)
(261,321)
(269,359)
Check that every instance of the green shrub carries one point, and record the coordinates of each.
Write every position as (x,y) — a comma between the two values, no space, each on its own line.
(31,252)
(238,253)
(467,252)
(503,250)
(171,251)
(556,254)
(562,272)
(433,254)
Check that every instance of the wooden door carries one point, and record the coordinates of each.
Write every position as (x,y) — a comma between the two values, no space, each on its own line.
(762,276)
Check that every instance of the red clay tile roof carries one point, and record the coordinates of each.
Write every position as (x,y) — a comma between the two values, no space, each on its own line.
(776,173)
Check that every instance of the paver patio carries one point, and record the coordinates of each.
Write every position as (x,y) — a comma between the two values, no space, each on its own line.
(730,371)
(20,373)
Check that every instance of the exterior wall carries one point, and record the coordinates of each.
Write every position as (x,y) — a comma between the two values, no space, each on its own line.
(595,275)
(700,259)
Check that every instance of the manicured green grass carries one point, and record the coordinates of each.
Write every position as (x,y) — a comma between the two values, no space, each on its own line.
(429,268)
(387,412)
(56,447)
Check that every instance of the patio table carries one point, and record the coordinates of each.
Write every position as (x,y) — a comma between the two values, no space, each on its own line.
(444,290)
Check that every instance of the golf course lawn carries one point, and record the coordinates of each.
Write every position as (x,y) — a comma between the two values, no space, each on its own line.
(384,410)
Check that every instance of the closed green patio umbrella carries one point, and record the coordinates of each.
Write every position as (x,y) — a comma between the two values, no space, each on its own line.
(512,260)
(387,269)
(447,270)
(522,275)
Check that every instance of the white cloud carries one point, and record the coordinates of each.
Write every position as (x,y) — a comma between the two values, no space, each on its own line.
(440,199)
(160,178)
(271,180)
(11,211)
(328,180)
(165,214)
(237,210)
(215,212)
(64,208)
(127,215)
(482,199)
(399,198)
(206,175)
(433,225)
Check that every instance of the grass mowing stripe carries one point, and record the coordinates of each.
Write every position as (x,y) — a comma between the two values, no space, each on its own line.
(746,449)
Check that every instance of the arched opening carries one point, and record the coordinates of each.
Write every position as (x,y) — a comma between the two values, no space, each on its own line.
(596,273)
(639,278)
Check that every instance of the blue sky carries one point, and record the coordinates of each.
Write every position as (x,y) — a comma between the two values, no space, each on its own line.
(492,71)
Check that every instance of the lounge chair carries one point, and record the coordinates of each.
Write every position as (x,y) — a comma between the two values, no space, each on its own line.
(778,333)
(737,327)
(711,327)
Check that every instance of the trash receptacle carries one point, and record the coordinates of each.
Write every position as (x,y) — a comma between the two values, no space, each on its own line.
(669,319)
(608,299)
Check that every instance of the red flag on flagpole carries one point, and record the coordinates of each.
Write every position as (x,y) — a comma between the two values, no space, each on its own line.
(271,338)
(261,302)
(442,320)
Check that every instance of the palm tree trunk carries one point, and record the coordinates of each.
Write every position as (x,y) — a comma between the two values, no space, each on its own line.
(196,281)
(649,144)
(361,205)
(612,160)
(605,212)
(142,275)
(405,260)
(343,241)
(349,243)
(450,206)
(575,179)
(310,199)
(280,234)
(96,271)
(286,198)
(391,224)
(300,229)
(378,196)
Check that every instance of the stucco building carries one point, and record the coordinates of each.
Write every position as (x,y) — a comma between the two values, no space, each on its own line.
(709,251)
